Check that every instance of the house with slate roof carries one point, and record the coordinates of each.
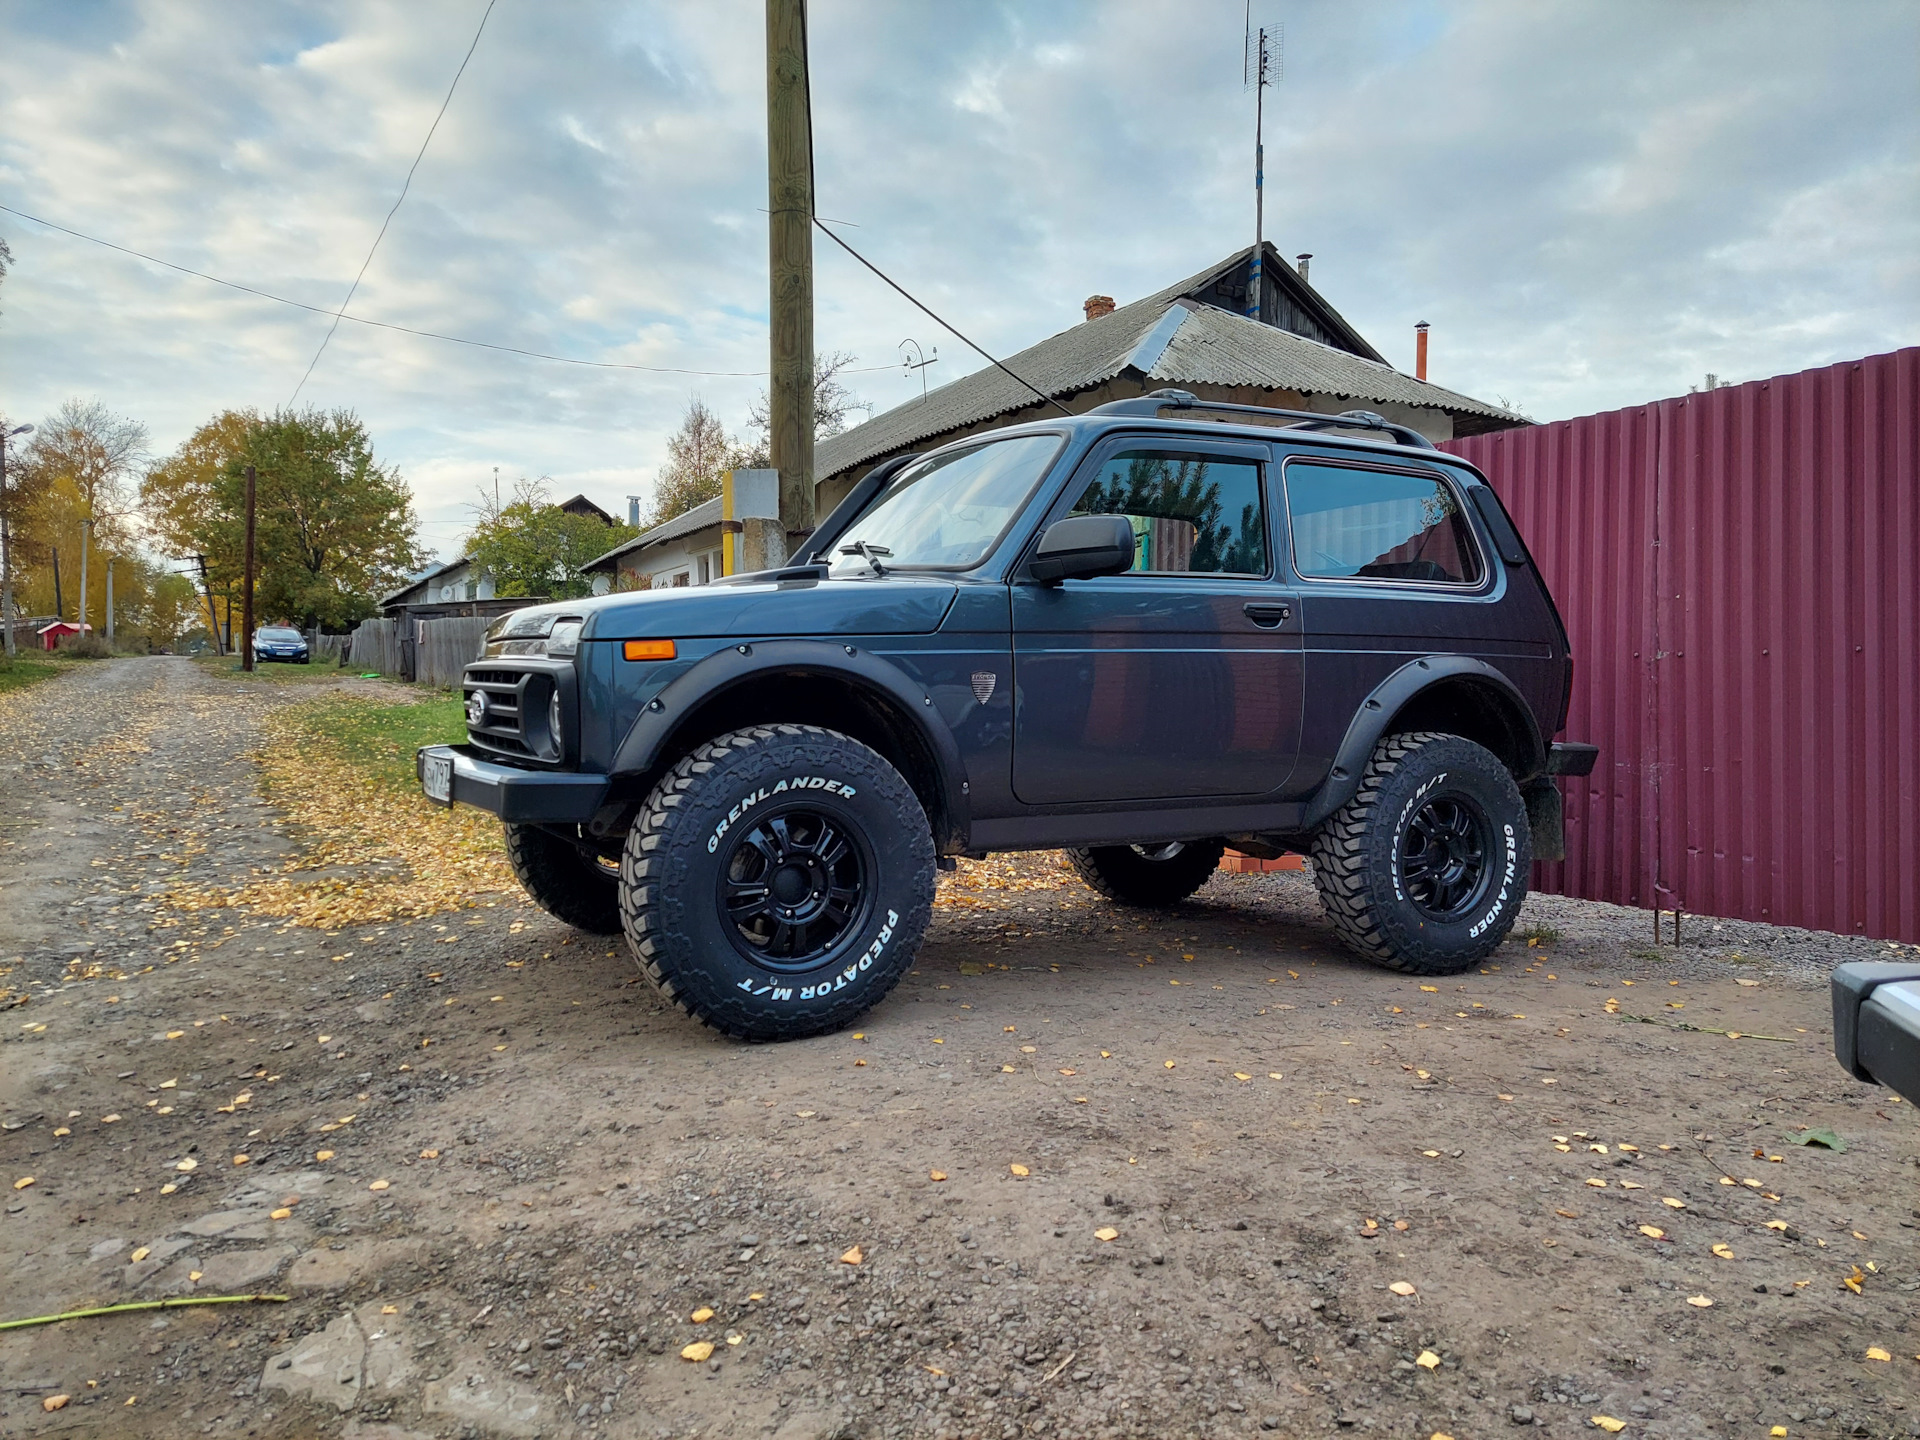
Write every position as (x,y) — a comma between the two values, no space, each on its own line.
(1300,354)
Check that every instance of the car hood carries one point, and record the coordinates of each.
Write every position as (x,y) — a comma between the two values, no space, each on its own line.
(896,605)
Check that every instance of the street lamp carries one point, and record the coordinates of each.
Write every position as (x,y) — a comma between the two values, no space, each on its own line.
(6,543)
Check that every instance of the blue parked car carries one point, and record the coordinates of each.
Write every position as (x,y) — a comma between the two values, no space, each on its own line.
(1137,638)
(279,642)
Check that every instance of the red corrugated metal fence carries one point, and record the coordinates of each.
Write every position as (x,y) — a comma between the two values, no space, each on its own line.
(1740,576)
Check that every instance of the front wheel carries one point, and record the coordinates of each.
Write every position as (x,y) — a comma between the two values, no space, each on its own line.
(563,880)
(1150,876)
(778,882)
(1424,869)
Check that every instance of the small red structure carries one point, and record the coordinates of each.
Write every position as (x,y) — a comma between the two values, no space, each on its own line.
(52,635)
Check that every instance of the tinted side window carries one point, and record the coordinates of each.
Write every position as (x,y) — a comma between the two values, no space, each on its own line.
(1191,513)
(1351,524)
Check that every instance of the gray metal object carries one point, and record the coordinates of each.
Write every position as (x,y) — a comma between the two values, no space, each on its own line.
(1876,1024)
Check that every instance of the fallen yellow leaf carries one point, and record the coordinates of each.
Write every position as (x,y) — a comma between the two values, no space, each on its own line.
(734,1337)
(281,1214)
(1431,1154)
(1778,1432)
(1609,1424)
(188,1164)
(852,1257)
(54,1402)
(389,1309)
(1401,1287)
(194,1274)
(1431,989)
(23,1182)
(1653,1232)
(1019,1170)
(1427,1360)
(63,1130)
(1275,1075)
(1874,1352)
(702,1315)
(1597,1184)
(323,1154)
(936,1175)
(1668,1200)
(1700,1302)
(1568,1214)
(1724,1251)
(698,1351)
(1241,1075)
(379,1185)
(1106,1232)
(1007,1069)
(1169,1064)
(242,1159)
(1776,1225)
(1066,1072)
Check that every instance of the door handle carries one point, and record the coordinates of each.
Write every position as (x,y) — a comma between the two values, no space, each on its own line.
(1268,613)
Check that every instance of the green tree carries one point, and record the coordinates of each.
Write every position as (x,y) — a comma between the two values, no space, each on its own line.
(334,529)
(698,454)
(532,547)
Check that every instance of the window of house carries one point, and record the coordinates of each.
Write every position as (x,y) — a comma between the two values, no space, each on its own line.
(1353,524)
(680,578)
(1192,514)
(702,570)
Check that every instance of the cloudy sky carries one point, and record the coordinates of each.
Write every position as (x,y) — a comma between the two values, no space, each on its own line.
(1593,203)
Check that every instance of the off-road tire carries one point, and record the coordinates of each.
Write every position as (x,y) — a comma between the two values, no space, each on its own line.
(1124,874)
(562,881)
(704,816)
(1357,862)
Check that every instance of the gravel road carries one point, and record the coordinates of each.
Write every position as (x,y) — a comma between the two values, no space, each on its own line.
(1090,1171)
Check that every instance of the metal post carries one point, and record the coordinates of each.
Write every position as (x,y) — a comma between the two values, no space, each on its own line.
(109,563)
(246,599)
(213,616)
(790,253)
(1259,178)
(59,600)
(6,541)
(86,527)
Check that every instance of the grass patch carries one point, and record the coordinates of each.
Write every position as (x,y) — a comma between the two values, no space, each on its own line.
(227,667)
(27,669)
(379,740)
(373,848)
(1540,935)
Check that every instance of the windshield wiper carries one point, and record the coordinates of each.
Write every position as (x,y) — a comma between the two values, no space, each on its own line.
(867,553)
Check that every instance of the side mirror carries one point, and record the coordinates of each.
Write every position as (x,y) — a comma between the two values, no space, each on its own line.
(1082,546)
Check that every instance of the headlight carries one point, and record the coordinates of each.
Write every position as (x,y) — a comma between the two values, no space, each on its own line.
(564,638)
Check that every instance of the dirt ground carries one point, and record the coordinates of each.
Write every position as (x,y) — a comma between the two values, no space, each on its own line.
(1089,1172)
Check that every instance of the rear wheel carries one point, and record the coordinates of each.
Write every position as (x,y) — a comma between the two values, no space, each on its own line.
(1424,869)
(563,880)
(1151,876)
(778,882)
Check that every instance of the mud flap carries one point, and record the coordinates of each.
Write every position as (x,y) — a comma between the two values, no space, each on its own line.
(1546,817)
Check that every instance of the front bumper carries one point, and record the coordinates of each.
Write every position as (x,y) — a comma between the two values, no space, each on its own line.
(1876,1023)
(519,797)
(1571,757)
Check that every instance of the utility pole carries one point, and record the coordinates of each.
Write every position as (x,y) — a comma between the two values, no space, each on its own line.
(790,253)
(6,540)
(59,600)
(109,563)
(246,598)
(213,616)
(86,527)
(1256,75)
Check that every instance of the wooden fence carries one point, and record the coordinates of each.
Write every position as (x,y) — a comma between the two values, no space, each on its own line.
(375,647)
(444,648)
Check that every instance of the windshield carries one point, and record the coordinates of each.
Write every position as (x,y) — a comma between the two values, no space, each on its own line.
(276,632)
(949,510)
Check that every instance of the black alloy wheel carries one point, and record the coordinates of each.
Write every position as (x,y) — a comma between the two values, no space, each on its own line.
(793,885)
(1443,856)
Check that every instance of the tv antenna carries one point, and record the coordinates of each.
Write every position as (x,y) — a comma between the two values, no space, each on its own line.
(917,361)
(1262,64)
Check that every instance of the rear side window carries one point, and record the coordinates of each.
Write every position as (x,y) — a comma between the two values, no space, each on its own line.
(1192,514)
(1352,524)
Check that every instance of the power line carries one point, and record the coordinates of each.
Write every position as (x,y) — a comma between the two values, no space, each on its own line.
(1045,398)
(402,329)
(405,186)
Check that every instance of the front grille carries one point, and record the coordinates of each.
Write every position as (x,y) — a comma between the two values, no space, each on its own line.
(515,727)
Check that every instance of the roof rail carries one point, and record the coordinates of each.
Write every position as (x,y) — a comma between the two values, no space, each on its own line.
(1160,400)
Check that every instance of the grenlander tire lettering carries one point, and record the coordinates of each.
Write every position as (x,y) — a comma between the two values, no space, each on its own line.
(1506,888)
(799,782)
(845,978)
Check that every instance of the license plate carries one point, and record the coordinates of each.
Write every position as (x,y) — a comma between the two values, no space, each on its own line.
(436,778)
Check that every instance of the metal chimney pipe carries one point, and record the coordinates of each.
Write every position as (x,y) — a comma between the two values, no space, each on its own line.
(1420,351)
(633,511)
(1301,261)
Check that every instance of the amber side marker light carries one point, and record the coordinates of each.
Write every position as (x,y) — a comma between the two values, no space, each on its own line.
(648,650)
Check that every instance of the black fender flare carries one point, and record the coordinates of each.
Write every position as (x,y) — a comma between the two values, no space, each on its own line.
(846,664)
(1389,697)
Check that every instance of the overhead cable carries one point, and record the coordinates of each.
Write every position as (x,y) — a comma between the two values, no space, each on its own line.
(405,186)
(403,329)
(1044,397)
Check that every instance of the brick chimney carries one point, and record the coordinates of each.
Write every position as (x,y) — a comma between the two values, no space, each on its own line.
(1420,351)
(1098,305)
